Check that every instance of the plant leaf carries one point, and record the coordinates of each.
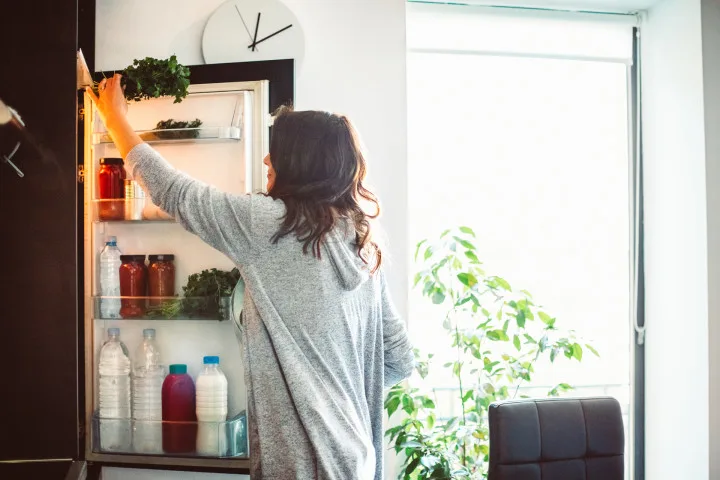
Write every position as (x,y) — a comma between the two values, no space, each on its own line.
(467,230)
(577,351)
(467,279)
(392,405)
(417,248)
(464,243)
(498,335)
(546,319)
(516,342)
(502,283)
(408,404)
(430,421)
(471,255)
(412,465)
(589,347)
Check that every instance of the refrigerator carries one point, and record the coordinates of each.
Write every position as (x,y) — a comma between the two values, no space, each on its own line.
(192,321)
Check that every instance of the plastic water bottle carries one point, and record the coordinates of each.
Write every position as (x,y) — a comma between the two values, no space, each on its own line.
(211,399)
(110,279)
(114,394)
(147,380)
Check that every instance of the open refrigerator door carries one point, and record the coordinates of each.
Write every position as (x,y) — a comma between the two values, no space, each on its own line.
(181,288)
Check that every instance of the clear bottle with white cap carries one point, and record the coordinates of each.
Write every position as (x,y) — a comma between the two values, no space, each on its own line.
(147,379)
(110,279)
(114,394)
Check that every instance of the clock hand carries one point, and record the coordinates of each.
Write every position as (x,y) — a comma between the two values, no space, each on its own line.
(244,24)
(269,36)
(257,24)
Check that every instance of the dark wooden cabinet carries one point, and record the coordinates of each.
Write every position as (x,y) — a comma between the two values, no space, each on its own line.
(38,234)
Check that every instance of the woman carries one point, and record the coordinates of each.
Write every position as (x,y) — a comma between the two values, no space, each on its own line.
(322,338)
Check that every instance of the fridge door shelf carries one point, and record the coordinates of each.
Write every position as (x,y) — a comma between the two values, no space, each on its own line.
(226,439)
(132,210)
(165,308)
(177,135)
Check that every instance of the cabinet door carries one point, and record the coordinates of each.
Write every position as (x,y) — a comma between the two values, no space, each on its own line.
(38,298)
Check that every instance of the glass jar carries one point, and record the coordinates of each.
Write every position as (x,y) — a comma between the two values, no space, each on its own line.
(161,276)
(133,283)
(111,189)
(134,200)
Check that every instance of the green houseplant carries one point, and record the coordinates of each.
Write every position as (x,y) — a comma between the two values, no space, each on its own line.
(497,335)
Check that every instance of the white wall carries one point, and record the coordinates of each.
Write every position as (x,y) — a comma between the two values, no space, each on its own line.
(678,225)
(354,64)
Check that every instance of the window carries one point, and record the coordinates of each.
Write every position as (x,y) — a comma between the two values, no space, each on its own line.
(518,126)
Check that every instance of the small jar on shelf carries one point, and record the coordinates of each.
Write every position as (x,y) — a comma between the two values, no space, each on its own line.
(133,285)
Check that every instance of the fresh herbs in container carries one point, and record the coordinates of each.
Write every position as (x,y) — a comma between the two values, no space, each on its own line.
(173,130)
(167,310)
(207,294)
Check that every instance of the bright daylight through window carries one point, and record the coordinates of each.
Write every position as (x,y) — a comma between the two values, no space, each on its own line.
(519,129)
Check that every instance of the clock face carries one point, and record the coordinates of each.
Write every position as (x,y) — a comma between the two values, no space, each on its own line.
(252,30)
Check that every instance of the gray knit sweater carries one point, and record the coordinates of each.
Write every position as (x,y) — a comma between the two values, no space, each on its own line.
(321,337)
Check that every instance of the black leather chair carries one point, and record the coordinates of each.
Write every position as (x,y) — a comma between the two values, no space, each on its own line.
(557,439)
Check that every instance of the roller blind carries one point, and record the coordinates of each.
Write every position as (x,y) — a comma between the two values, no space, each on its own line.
(468,29)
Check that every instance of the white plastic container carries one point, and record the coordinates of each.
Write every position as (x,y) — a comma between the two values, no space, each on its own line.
(114,394)
(148,376)
(211,400)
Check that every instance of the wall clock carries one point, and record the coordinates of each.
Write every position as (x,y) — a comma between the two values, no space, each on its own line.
(252,30)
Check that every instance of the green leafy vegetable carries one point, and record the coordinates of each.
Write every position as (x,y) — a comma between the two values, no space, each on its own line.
(175,130)
(155,78)
(205,290)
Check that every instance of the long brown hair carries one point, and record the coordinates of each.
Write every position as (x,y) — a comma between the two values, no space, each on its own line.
(319,173)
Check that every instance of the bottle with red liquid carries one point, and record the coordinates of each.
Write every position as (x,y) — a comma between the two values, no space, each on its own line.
(178,411)
(111,189)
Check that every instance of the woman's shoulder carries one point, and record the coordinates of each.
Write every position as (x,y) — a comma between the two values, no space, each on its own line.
(261,200)
(265,209)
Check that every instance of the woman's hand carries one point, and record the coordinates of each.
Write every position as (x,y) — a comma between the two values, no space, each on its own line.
(112,107)
(111,103)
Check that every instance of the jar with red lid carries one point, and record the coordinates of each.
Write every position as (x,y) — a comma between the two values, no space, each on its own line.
(133,283)
(111,189)
(161,278)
